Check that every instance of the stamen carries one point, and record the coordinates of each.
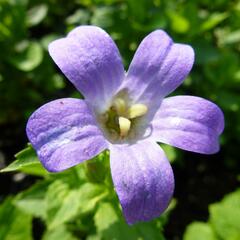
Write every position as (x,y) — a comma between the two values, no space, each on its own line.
(137,110)
(120,106)
(124,126)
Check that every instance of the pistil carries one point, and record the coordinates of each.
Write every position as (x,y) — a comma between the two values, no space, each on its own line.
(124,126)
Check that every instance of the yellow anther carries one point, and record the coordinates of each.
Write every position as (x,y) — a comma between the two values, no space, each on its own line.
(137,110)
(124,126)
(120,106)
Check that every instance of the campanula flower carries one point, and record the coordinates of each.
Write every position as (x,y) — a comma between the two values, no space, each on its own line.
(125,113)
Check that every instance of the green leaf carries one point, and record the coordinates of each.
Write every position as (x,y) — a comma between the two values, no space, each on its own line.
(28,162)
(213,21)
(55,196)
(96,169)
(32,201)
(64,205)
(102,17)
(234,236)
(170,152)
(149,231)
(36,14)
(225,216)
(80,16)
(105,216)
(27,57)
(59,233)
(230,38)
(179,23)
(199,231)
(67,211)
(15,225)
(89,195)
(94,237)
(110,225)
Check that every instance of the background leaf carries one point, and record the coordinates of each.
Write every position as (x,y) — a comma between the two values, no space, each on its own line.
(225,215)
(213,20)
(15,225)
(36,14)
(26,161)
(32,200)
(110,225)
(59,233)
(199,231)
(28,57)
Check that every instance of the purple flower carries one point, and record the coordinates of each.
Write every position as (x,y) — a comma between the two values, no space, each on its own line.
(125,113)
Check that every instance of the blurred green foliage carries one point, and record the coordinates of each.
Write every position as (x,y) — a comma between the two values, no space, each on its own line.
(29,78)
(72,205)
(223,221)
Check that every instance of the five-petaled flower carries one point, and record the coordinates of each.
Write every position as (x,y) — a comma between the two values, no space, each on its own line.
(125,113)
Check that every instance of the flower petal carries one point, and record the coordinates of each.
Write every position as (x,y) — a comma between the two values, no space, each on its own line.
(159,66)
(143,180)
(64,133)
(91,61)
(190,123)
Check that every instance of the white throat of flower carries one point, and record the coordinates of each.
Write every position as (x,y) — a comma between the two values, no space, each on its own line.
(120,119)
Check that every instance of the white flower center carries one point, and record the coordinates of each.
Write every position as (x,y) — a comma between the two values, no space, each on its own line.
(120,119)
